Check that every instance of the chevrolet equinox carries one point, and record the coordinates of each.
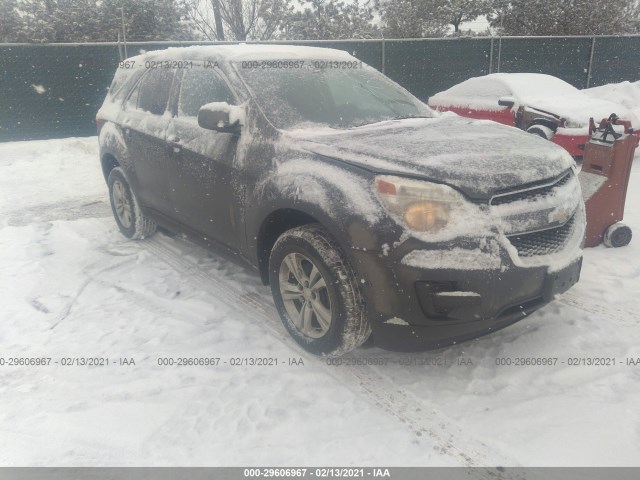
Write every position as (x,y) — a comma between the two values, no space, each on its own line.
(367,212)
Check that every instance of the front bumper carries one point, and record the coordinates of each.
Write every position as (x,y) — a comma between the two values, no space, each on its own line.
(417,307)
(572,141)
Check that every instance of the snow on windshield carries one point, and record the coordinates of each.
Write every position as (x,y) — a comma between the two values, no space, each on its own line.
(339,94)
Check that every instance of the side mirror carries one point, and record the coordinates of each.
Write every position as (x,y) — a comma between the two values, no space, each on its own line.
(506,102)
(221,117)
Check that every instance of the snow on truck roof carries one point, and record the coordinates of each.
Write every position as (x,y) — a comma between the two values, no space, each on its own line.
(482,92)
(533,84)
(246,52)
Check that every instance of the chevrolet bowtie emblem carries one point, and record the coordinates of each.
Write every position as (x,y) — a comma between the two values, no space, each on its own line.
(560,215)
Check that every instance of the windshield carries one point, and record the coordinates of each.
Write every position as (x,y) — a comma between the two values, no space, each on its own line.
(314,92)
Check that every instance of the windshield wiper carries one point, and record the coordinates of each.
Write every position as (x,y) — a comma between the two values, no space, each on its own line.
(377,97)
(411,116)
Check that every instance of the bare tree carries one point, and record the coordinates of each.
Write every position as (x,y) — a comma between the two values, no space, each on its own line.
(455,12)
(238,19)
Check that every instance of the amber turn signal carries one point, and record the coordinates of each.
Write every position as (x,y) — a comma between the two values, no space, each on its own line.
(426,216)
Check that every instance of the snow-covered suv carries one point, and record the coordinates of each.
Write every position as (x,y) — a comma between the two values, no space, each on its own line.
(366,211)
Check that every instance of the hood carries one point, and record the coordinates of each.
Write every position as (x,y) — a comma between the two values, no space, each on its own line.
(477,157)
(579,108)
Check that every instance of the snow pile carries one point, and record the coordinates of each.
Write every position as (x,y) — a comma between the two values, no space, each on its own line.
(625,93)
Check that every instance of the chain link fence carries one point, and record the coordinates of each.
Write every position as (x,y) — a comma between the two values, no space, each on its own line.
(54,90)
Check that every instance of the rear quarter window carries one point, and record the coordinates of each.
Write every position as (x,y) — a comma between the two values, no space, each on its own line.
(122,82)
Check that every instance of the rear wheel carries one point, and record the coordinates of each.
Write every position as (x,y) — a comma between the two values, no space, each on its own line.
(131,221)
(316,292)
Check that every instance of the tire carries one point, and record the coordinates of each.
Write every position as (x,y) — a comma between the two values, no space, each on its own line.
(125,207)
(617,235)
(331,303)
(542,131)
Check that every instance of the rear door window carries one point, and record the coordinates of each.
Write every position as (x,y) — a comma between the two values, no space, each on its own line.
(155,88)
(200,86)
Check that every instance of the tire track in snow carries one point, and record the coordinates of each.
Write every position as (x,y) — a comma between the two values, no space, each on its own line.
(414,413)
(608,312)
(82,207)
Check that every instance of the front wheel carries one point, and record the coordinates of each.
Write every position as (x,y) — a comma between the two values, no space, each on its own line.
(542,131)
(316,292)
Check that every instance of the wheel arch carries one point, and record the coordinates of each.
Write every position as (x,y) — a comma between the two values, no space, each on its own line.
(274,225)
(108,162)
(544,122)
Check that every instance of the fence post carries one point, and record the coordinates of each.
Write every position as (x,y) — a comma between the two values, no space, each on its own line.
(383,55)
(491,56)
(120,55)
(499,53)
(593,47)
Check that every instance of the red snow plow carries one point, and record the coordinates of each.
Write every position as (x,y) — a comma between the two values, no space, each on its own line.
(604,178)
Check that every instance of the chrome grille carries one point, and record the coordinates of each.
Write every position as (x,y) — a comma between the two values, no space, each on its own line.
(532,194)
(545,242)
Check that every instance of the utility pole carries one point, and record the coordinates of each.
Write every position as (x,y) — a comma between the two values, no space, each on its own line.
(124,35)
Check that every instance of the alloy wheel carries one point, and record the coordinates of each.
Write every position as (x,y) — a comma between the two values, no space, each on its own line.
(305,296)
(122,204)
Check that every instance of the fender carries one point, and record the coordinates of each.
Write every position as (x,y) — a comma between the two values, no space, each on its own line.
(112,143)
(340,198)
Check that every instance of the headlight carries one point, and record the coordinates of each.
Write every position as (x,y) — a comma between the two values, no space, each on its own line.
(423,206)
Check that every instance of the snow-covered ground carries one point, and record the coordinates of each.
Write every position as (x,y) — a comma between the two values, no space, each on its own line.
(71,286)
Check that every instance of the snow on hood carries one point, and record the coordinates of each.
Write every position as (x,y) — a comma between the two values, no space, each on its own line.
(626,94)
(578,108)
(477,157)
(551,94)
